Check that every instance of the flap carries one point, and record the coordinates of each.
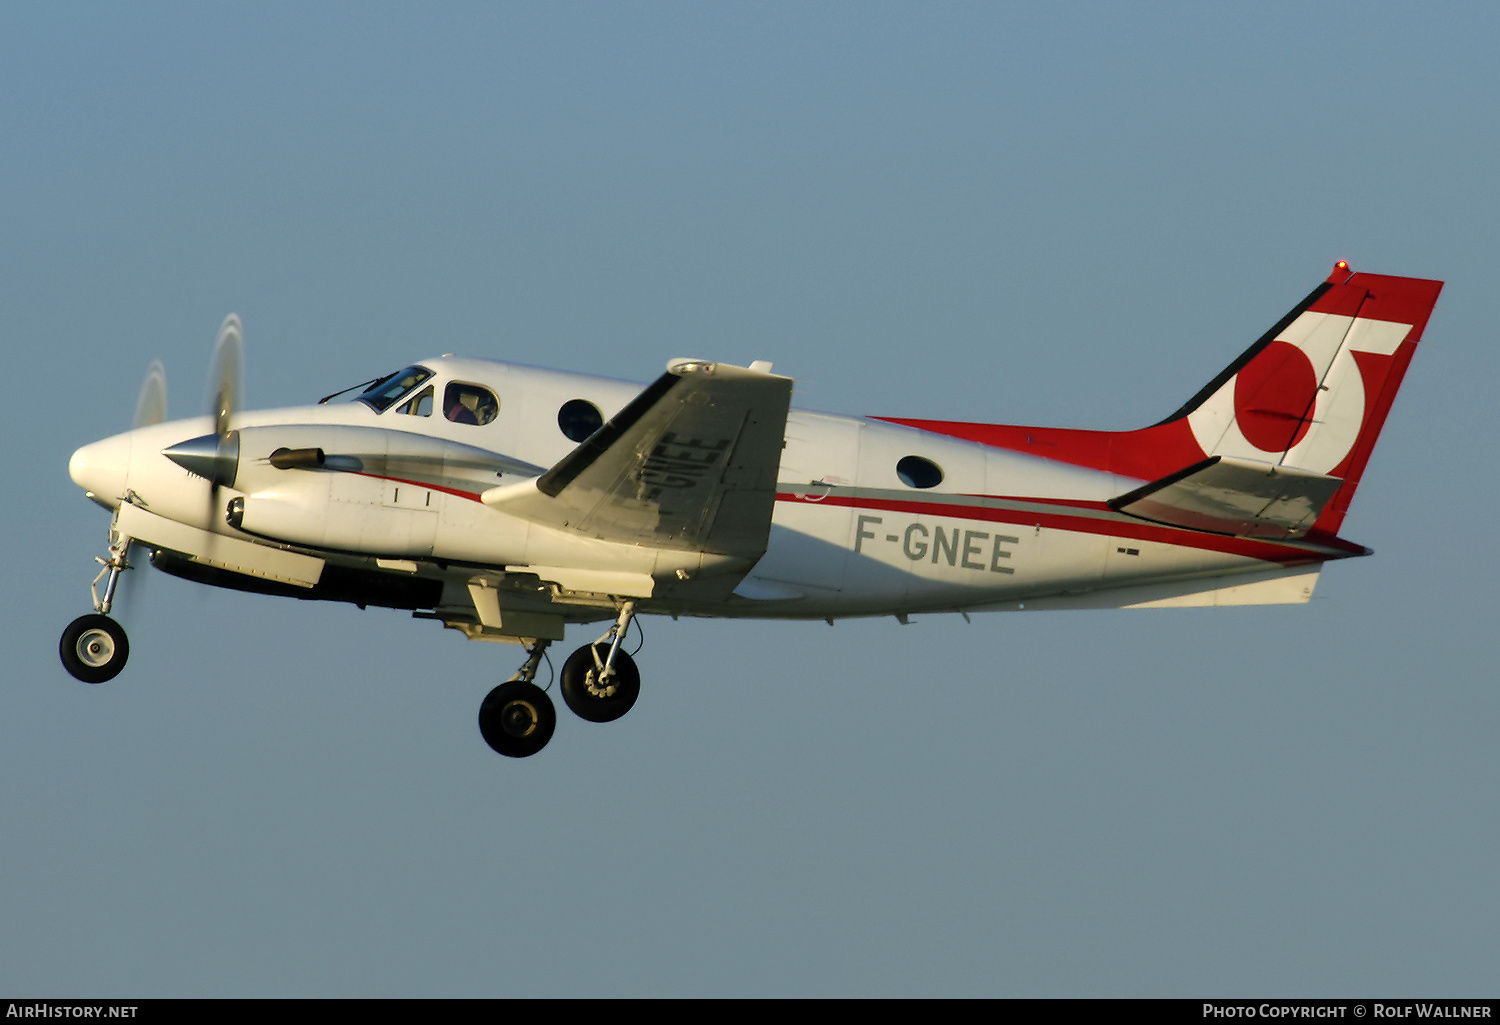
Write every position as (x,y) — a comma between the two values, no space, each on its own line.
(689,464)
(1234,496)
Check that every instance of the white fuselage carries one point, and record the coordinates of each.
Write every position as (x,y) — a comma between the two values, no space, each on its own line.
(850,536)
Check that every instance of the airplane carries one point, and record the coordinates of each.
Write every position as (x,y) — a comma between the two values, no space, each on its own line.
(508,502)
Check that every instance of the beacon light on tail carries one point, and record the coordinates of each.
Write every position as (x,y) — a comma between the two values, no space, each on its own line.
(509,502)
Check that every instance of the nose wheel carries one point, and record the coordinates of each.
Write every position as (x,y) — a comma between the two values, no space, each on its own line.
(94,648)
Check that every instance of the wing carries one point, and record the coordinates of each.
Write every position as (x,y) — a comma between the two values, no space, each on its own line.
(689,464)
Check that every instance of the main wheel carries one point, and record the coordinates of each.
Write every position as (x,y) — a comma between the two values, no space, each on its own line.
(587,697)
(94,648)
(517,719)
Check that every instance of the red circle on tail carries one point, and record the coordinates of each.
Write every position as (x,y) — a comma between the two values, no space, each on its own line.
(1273,397)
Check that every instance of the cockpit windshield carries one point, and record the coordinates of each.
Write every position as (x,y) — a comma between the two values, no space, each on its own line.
(388,389)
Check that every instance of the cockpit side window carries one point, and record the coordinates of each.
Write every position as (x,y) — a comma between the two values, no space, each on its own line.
(387,390)
(419,404)
(469,403)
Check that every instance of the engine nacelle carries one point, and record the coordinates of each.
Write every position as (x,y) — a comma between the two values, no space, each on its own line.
(263,456)
(356,515)
(369,490)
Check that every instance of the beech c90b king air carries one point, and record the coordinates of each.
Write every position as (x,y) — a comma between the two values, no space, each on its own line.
(507,502)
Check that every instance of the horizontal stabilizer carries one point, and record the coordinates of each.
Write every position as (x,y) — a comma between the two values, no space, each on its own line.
(1234,496)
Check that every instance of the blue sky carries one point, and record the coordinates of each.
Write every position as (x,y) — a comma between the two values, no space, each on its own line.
(1069,214)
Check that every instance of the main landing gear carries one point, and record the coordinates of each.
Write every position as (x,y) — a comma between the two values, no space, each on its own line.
(600,683)
(93,648)
(517,717)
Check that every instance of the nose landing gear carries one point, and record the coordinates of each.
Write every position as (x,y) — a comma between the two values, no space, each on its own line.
(94,648)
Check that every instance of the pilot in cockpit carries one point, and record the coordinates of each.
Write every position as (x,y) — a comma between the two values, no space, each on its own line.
(469,404)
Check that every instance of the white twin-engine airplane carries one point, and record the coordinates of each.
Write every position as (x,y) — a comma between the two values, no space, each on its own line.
(507,502)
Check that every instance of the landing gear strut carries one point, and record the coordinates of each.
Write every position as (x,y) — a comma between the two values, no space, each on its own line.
(600,682)
(517,718)
(94,648)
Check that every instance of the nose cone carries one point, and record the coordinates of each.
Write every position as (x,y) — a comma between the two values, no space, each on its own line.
(100,469)
(211,457)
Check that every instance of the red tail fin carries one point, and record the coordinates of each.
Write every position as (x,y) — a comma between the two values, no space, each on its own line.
(1310,395)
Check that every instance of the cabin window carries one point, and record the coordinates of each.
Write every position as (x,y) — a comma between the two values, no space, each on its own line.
(469,403)
(419,404)
(917,472)
(387,390)
(578,418)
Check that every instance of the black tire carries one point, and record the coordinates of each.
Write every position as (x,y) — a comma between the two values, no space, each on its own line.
(517,719)
(584,697)
(93,648)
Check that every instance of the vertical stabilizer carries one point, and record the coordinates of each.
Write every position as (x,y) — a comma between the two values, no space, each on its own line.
(1312,394)
(1306,401)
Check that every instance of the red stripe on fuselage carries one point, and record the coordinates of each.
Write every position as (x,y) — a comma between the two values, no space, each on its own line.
(472,496)
(1267,551)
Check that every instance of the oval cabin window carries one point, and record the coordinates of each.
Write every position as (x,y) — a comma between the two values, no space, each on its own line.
(916,472)
(578,419)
